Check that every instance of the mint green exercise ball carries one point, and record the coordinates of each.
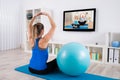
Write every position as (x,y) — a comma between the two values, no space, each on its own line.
(73,59)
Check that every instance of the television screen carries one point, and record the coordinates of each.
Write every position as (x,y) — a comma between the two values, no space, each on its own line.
(79,20)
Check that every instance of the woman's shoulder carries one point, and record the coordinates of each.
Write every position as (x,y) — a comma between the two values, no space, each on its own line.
(42,43)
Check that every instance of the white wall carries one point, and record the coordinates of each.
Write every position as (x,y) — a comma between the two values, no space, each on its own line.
(107,17)
(10,24)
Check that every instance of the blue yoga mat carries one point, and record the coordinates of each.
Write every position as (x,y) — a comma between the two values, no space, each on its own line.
(57,75)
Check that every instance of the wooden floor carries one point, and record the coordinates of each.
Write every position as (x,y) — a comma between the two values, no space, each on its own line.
(11,59)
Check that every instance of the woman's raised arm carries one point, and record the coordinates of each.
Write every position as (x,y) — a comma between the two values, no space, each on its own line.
(30,30)
(50,33)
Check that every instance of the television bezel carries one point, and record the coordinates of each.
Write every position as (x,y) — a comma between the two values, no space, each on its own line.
(94,19)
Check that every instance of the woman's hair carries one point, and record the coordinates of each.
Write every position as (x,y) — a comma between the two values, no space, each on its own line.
(37,29)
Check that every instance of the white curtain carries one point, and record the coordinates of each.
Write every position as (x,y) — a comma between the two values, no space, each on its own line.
(10,24)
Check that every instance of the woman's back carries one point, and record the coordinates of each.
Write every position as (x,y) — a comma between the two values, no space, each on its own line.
(39,57)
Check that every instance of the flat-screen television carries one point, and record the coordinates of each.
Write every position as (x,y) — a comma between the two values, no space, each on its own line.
(79,20)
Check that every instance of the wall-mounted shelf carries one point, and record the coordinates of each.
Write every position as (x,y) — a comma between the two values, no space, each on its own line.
(96,51)
(113,53)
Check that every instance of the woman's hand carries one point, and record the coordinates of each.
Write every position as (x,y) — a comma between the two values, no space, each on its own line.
(38,14)
(44,13)
(41,13)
